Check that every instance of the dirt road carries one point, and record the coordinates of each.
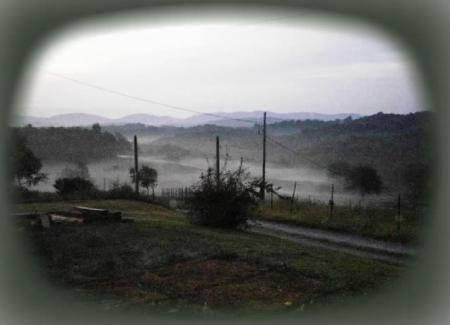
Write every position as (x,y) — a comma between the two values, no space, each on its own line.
(395,253)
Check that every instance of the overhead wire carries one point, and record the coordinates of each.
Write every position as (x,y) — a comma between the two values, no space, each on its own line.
(171,106)
(147,100)
(392,188)
(181,108)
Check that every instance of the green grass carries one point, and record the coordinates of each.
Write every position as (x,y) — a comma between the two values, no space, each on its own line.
(160,262)
(378,223)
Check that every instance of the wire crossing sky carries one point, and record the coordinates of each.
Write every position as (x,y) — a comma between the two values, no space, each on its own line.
(279,65)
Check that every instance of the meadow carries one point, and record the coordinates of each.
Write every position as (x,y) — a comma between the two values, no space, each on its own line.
(378,222)
(156,261)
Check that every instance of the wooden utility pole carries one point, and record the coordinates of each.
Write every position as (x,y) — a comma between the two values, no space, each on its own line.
(136,166)
(217,160)
(263,184)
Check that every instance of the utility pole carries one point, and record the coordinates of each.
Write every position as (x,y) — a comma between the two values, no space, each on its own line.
(136,166)
(217,160)
(263,184)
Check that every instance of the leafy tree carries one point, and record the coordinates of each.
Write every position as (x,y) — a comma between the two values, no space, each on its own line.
(364,179)
(76,185)
(339,169)
(148,178)
(26,166)
(96,128)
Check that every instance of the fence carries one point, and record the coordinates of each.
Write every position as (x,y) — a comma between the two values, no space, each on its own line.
(176,193)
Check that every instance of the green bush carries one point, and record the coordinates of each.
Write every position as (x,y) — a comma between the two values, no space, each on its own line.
(225,202)
(74,186)
(124,191)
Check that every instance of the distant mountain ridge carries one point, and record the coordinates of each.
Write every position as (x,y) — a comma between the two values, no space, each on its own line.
(235,119)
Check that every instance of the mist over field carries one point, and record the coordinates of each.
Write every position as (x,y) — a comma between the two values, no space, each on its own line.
(311,183)
(393,144)
(327,121)
(323,88)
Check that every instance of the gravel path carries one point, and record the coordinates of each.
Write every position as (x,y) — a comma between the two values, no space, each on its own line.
(389,252)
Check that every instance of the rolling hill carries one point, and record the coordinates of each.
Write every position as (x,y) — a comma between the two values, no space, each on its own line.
(235,119)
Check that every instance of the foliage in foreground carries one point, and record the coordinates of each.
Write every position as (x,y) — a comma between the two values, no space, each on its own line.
(24,164)
(161,262)
(223,202)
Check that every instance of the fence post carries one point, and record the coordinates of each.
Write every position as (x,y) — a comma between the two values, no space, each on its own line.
(293,196)
(331,202)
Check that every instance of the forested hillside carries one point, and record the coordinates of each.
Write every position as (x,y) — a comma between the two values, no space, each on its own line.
(74,144)
(392,143)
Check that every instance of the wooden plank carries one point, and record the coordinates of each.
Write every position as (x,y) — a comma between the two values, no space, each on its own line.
(56,217)
(26,215)
(90,210)
(93,214)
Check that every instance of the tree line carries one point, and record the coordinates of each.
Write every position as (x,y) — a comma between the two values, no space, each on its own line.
(73,144)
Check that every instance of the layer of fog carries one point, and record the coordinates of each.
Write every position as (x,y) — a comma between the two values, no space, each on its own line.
(311,184)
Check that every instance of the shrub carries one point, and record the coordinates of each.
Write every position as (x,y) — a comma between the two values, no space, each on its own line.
(75,185)
(225,202)
(124,191)
(365,179)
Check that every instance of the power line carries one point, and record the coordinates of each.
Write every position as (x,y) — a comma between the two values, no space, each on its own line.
(392,188)
(152,101)
(147,100)
(296,153)
(180,108)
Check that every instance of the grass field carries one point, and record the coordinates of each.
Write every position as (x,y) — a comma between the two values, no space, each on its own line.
(161,263)
(378,223)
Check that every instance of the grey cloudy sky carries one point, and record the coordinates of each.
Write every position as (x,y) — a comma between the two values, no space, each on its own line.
(219,66)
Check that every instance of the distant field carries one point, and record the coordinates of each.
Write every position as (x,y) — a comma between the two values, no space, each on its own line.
(373,222)
(186,172)
(161,263)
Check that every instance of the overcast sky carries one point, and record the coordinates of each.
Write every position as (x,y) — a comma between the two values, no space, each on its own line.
(275,65)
